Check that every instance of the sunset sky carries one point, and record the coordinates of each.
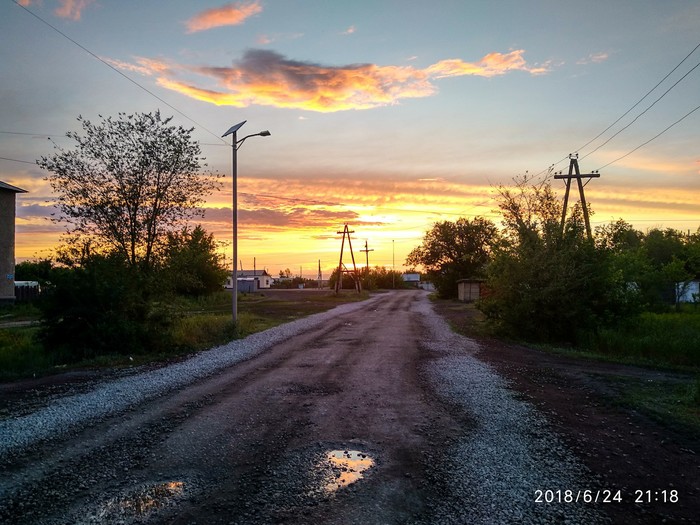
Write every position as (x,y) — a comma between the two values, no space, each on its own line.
(386,115)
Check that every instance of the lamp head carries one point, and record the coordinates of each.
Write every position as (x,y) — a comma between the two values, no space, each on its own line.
(265,133)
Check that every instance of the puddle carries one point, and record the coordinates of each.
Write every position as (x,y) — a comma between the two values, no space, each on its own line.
(140,502)
(347,466)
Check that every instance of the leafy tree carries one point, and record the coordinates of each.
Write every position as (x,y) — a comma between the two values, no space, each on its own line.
(549,284)
(191,265)
(381,278)
(618,237)
(455,250)
(348,281)
(127,182)
(40,271)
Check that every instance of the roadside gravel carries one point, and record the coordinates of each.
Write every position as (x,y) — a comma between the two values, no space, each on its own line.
(113,397)
(496,469)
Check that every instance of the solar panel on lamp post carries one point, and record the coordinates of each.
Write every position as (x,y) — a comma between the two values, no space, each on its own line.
(235,145)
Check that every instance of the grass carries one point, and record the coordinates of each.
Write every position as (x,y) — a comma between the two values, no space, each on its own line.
(20,354)
(669,402)
(666,339)
(202,323)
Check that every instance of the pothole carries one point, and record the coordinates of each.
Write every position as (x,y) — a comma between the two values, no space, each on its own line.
(138,503)
(346,467)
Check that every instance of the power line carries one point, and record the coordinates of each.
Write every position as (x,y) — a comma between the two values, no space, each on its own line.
(653,138)
(643,112)
(551,167)
(640,100)
(15,160)
(117,70)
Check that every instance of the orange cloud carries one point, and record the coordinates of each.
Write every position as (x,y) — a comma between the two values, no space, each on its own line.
(267,78)
(72,8)
(228,15)
(493,64)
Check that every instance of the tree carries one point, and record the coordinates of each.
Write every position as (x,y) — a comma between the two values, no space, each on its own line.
(127,182)
(455,250)
(191,265)
(549,284)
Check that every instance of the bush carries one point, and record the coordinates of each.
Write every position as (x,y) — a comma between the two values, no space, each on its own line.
(102,307)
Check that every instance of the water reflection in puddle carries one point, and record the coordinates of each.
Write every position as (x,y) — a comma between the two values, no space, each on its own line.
(141,501)
(347,467)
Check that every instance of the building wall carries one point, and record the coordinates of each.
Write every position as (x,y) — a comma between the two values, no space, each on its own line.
(468,291)
(7,246)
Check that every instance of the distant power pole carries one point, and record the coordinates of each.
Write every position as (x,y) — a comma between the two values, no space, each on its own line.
(341,267)
(366,251)
(574,173)
(319,277)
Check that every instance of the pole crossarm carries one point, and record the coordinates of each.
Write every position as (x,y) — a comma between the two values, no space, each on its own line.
(575,173)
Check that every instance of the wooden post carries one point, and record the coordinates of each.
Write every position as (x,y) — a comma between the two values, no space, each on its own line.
(575,173)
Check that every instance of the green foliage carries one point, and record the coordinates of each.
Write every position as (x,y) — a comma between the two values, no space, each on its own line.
(667,338)
(41,271)
(201,331)
(102,307)
(380,278)
(126,183)
(348,282)
(549,285)
(454,250)
(20,353)
(190,264)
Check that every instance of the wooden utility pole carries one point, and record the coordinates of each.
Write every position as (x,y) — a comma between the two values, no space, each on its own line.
(575,173)
(366,251)
(341,267)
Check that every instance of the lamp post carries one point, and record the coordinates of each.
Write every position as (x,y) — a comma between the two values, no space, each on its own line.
(235,145)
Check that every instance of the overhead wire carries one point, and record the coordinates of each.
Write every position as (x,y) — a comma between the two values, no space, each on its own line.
(118,71)
(552,166)
(643,112)
(651,139)
(640,100)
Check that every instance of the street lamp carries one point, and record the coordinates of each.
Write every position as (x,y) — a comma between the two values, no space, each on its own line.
(235,145)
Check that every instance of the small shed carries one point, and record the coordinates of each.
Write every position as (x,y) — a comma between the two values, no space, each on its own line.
(469,290)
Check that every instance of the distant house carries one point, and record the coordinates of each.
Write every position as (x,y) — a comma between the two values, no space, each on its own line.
(250,280)
(7,242)
(414,279)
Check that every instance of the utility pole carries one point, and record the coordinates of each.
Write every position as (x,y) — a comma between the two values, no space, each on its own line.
(341,270)
(366,252)
(575,173)
(393,264)
(319,277)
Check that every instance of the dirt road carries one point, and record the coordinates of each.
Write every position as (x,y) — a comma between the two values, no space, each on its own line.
(340,424)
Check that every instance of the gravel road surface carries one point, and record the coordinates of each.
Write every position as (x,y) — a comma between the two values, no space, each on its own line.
(374,412)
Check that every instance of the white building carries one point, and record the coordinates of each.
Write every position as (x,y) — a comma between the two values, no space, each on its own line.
(250,280)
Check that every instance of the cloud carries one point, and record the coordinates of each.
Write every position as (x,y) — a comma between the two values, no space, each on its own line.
(228,15)
(72,8)
(267,78)
(594,58)
(493,64)
(349,31)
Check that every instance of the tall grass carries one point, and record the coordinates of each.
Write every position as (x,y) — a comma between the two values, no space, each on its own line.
(657,338)
(20,353)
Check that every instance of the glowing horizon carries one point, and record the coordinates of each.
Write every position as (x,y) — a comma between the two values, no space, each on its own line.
(373,123)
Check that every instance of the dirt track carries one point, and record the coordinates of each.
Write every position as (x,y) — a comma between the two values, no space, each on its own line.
(250,444)
(242,446)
